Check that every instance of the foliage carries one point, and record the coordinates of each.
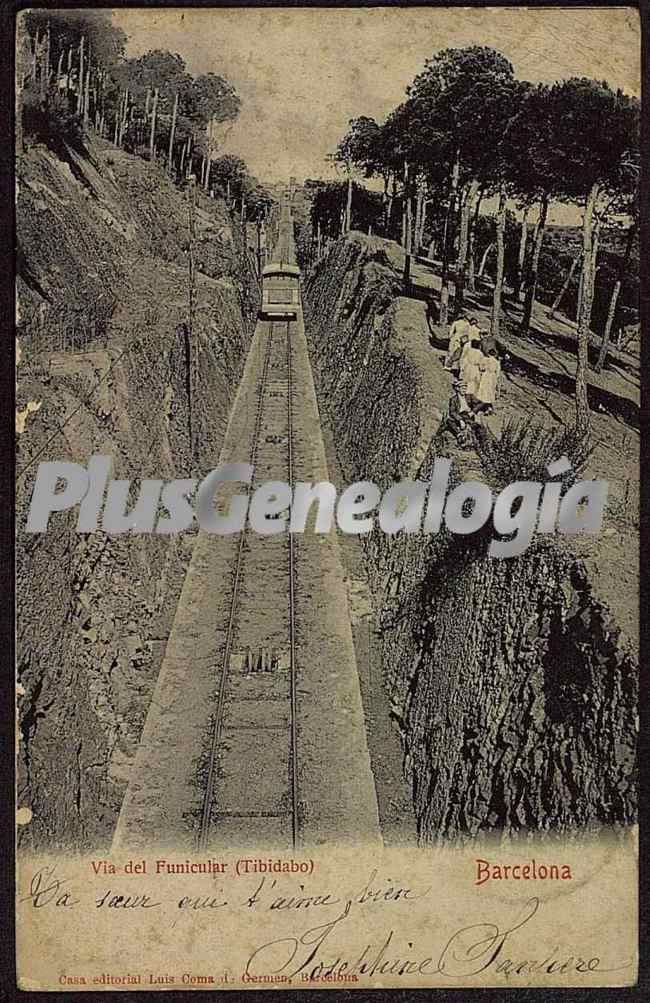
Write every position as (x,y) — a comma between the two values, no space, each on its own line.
(258,200)
(155,69)
(525,449)
(118,93)
(51,121)
(400,139)
(538,143)
(361,146)
(593,131)
(210,97)
(229,173)
(555,262)
(328,203)
(67,27)
(459,106)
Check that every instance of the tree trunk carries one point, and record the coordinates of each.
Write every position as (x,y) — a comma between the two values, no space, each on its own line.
(408,233)
(583,419)
(152,134)
(471,256)
(523,241)
(589,268)
(123,117)
(594,254)
(484,260)
(463,243)
(405,181)
(120,120)
(35,58)
(531,283)
(45,64)
(86,96)
(498,282)
(389,209)
(443,318)
(208,159)
(602,355)
(471,269)
(580,288)
(171,136)
(80,83)
(385,202)
(565,285)
(348,204)
(423,221)
(417,226)
(611,313)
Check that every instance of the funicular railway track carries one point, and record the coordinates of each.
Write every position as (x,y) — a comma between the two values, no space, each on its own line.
(254,736)
(256,699)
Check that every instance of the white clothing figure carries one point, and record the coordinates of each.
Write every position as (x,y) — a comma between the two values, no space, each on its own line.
(488,385)
(457,334)
(471,368)
(474,333)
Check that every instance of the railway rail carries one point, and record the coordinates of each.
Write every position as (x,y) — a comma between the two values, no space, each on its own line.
(255,734)
(246,679)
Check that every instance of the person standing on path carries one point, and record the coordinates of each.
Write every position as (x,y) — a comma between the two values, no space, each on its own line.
(472,362)
(475,332)
(458,333)
(487,419)
(488,388)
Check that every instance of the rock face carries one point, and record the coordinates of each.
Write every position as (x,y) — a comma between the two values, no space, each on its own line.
(136,383)
(515,700)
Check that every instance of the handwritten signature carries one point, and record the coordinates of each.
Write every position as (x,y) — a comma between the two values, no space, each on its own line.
(468,952)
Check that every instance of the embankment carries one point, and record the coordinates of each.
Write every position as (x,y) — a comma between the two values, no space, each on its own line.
(111,360)
(514,696)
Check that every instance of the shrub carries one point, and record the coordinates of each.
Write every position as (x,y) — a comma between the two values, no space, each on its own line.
(525,449)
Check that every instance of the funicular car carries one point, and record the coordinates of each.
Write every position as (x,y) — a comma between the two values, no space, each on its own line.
(280,291)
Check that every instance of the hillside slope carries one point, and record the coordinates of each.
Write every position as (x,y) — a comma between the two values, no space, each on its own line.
(511,683)
(110,363)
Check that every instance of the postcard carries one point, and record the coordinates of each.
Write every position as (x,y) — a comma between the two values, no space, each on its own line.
(327,495)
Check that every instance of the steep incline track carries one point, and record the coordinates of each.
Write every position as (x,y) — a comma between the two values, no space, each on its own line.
(257,681)
(255,735)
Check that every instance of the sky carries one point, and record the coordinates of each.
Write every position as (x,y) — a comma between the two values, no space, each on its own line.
(303,73)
